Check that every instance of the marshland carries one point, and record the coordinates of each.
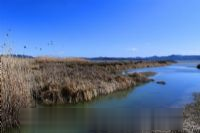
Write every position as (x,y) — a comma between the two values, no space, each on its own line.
(50,81)
(99,66)
(29,83)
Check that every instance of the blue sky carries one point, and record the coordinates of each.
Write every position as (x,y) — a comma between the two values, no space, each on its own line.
(91,28)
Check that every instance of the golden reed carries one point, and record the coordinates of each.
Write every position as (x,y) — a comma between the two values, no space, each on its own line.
(16,85)
(59,81)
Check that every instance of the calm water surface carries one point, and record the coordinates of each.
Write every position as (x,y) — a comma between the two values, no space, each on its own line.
(182,80)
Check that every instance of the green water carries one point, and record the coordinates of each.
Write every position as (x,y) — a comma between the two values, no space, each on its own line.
(182,80)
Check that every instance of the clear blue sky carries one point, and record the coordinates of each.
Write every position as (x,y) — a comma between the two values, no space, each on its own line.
(90,28)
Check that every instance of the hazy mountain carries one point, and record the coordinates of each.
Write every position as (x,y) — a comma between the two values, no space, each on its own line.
(171,57)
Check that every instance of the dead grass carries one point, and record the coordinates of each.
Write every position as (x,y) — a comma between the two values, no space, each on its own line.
(77,81)
(59,81)
(54,59)
(16,89)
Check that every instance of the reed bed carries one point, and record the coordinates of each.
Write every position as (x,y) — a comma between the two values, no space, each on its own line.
(66,81)
(17,81)
(53,81)
(54,59)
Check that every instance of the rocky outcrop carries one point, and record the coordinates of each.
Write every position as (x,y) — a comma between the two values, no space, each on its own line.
(198,66)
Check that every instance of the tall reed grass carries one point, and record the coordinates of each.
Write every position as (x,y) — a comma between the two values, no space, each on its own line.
(17,81)
(67,81)
(59,81)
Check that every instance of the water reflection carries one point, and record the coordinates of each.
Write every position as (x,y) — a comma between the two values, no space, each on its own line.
(84,120)
(119,110)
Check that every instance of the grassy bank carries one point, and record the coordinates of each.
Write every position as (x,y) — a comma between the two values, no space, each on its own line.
(60,81)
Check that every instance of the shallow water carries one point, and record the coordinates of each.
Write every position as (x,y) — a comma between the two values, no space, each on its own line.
(182,80)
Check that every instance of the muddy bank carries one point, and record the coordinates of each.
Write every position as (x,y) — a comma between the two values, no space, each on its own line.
(191,113)
(191,117)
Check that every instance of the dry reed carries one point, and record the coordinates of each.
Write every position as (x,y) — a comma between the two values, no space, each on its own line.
(57,81)
(16,89)
(64,81)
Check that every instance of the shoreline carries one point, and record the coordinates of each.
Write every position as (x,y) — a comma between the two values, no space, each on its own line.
(51,81)
(191,115)
(94,79)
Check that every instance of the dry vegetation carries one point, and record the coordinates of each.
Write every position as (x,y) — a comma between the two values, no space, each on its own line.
(62,81)
(192,115)
(16,89)
(58,81)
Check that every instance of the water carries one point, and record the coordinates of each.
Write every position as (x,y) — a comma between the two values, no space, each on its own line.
(182,80)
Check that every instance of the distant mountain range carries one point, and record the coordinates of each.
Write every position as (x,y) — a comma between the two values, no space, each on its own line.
(171,57)
(156,58)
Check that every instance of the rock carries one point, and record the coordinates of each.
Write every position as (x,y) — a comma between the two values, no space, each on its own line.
(151,80)
(198,66)
(161,82)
